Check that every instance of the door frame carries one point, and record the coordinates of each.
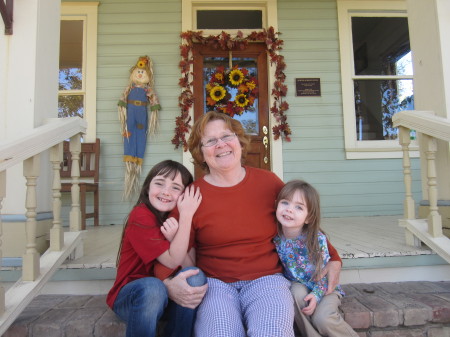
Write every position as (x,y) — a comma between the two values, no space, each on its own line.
(188,18)
(257,52)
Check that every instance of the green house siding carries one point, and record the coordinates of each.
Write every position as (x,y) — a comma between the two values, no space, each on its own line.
(127,30)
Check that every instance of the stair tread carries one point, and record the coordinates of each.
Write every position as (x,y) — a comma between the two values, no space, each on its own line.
(366,306)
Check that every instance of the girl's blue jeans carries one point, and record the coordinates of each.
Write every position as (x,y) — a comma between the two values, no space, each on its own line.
(142,303)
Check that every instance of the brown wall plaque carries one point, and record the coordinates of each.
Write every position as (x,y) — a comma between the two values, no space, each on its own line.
(307,87)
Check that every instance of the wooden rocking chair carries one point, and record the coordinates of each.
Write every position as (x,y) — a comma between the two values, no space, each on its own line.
(89,176)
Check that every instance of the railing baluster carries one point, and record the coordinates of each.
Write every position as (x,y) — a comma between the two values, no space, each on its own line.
(56,233)
(434,218)
(432,129)
(2,195)
(31,265)
(405,141)
(75,213)
(408,203)
(26,151)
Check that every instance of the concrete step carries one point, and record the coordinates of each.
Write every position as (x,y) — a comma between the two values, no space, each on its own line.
(391,309)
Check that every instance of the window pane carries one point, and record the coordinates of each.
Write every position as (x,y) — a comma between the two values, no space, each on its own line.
(249,118)
(375,104)
(70,79)
(71,55)
(71,106)
(380,45)
(229,19)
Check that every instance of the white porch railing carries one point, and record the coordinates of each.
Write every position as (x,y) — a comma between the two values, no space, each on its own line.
(36,269)
(431,128)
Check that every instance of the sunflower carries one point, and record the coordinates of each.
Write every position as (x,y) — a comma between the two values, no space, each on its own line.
(141,63)
(251,85)
(236,77)
(242,88)
(219,76)
(241,100)
(217,93)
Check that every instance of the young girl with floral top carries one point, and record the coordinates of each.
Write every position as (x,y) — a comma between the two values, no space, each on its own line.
(302,247)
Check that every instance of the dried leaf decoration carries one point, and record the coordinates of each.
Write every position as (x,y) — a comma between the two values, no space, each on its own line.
(224,41)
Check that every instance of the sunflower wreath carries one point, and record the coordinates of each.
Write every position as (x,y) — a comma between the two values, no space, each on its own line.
(223,84)
(224,41)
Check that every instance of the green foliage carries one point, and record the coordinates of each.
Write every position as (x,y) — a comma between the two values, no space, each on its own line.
(70,105)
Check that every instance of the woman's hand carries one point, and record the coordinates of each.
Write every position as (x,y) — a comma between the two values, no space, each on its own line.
(189,201)
(169,228)
(333,270)
(312,303)
(182,293)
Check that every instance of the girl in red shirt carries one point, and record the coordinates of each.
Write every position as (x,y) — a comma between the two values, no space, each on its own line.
(137,296)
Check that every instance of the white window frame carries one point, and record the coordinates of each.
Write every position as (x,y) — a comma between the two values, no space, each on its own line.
(269,19)
(87,12)
(229,5)
(365,149)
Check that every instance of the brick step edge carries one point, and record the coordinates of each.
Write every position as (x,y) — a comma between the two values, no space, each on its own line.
(403,309)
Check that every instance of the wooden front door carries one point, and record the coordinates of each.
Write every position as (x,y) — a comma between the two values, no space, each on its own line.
(255,121)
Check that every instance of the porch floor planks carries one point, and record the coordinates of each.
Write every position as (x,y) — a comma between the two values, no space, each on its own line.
(355,237)
(362,237)
(101,244)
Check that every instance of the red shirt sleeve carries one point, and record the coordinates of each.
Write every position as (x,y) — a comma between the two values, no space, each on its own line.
(162,272)
(145,236)
(334,255)
(142,243)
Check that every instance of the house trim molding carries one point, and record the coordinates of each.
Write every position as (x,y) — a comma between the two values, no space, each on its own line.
(87,11)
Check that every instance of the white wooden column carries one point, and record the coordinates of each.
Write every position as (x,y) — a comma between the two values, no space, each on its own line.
(56,233)
(30,265)
(2,195)
(32,52)
(429,31)
(75,213)
(434,218)
(408,203)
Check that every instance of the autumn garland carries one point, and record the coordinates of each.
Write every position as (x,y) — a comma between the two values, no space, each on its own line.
(224,41)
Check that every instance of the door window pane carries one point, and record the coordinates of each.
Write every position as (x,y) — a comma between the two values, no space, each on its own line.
(229,19)
(70,106)
(249,118)
(378,45)
(376,101)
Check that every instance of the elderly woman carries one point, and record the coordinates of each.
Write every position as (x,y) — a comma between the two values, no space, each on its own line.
(232,234)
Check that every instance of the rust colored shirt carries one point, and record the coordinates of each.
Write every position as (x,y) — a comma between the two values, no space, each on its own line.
(233,228)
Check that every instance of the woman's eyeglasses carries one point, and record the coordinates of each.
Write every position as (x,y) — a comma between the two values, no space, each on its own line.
(214,141)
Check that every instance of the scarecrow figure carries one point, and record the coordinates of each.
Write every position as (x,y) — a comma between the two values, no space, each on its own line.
(134,121)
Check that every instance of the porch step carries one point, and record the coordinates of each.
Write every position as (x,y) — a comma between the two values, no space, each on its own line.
(394,309)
